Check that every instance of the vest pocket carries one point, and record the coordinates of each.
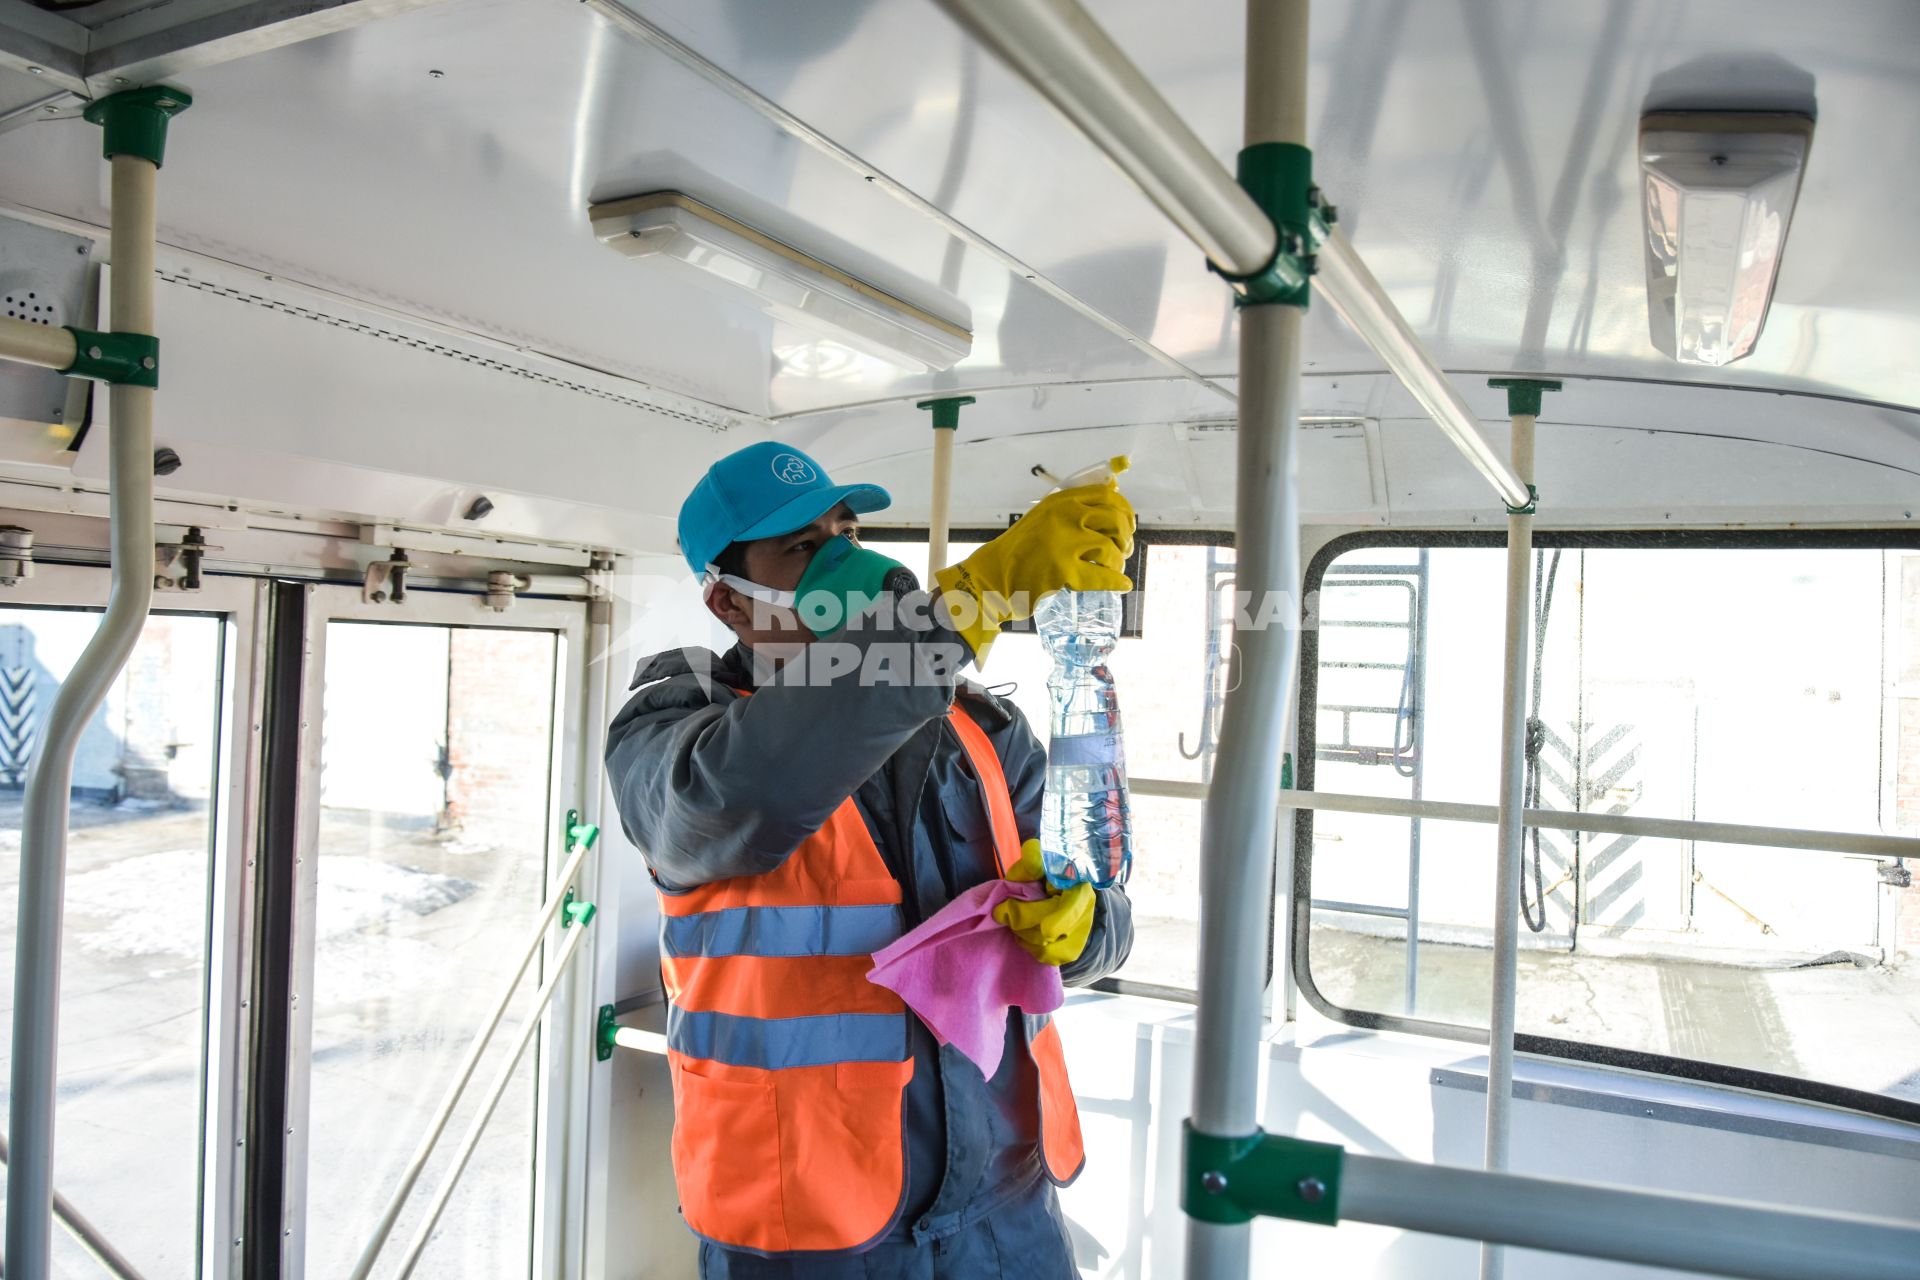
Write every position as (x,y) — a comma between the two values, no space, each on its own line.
(842,1151)
(726,1159)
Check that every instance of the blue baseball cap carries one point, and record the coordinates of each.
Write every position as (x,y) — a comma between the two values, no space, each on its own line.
(763,491)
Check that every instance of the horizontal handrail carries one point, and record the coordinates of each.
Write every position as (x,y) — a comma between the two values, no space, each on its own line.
(1686,1232)
(46,346)
(1860,843)
(1063,54)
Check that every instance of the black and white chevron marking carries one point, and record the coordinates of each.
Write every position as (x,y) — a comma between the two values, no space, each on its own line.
(19,723)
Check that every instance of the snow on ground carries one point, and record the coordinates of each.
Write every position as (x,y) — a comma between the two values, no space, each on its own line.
(154,904)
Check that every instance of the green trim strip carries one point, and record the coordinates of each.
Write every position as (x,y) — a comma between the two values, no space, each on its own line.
(126,359)
(1230,1180)
(134,122)
(946,411)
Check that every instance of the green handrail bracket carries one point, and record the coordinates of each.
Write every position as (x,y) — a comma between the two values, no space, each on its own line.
(1523,394)
(604,1030)
(575,911)
(134,122)
(1230,1180)
(574,833)
(128,359)
(1279,177)
(1532,507)
(946,411)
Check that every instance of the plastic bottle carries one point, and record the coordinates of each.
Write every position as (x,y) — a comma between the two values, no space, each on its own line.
(1086,824)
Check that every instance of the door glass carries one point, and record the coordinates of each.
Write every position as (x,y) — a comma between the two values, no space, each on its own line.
(436,773)
(133,952)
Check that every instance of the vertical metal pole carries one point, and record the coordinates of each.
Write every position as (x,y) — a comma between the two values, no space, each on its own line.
(1237,841)
(1419,695)
(1506,898)
(938,519)
(43,822)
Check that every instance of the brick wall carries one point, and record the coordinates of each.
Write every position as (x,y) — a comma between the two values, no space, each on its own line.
(499,727)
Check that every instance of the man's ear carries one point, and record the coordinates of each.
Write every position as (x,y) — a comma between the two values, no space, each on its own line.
(726,604)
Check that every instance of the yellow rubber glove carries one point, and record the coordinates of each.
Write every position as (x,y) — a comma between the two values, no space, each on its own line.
(1054,930)
(1074,539)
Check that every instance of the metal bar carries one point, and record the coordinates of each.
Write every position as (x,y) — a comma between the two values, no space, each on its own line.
(1358,908)
(98,1247)
(1167,788)
(1238,831)
(43,821)
(1512,829)
(36,344)
(1344,281)
(1683,1232)
(463,1074)
(644,1041)
(495,1091)
(1803,839)
(937,519)
(1057,48)
(1417,698)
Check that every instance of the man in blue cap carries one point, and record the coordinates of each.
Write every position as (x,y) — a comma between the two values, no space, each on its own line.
(794,824)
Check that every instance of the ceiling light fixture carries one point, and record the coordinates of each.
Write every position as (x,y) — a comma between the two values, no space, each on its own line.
(785,283)
(1718,192)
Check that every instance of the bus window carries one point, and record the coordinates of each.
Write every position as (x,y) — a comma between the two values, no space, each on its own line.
(134,953)
(436,783)
(1741,684)
(1171,677)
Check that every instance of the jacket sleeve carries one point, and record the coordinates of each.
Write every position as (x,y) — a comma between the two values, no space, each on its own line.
(708,790)
(1111,941)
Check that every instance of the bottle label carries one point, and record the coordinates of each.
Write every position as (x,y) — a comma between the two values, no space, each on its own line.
(1091,749)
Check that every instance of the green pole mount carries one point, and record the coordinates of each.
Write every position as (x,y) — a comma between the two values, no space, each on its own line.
(134,122)
(1523,394)
(128,359)
(1231,1180)
(575,911)
(604,1029)
(1279,177)
(946,411)
(574,833)
(1286,770)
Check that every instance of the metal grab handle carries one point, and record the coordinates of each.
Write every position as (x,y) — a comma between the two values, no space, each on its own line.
(43,819)
(501,1080)
(580,839)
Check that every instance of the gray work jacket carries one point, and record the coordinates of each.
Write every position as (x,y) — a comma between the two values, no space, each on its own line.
(713,785)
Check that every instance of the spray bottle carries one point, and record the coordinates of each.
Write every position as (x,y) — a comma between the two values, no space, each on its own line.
(1086,824)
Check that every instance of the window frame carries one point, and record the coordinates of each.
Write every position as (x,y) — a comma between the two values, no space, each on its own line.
(1304,756)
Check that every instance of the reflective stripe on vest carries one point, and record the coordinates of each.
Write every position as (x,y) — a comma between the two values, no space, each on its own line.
(789,1068)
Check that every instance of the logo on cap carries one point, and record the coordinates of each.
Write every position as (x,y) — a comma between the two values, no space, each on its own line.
(791,468)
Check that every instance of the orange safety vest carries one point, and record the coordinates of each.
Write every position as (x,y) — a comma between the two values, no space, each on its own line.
(789,1068)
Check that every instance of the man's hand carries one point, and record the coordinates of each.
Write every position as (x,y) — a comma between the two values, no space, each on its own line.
(1073,540)
(1054,930)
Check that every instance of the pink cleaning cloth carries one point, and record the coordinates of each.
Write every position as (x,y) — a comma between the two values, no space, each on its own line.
(962,970)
